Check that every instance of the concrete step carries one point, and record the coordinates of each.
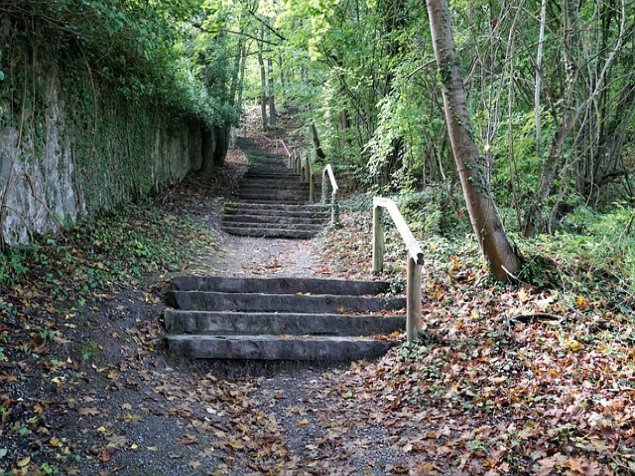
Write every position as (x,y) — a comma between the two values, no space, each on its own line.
(272,178)
(282,285)
(289,197)
(269,233)
(270,216)
(313,228)
(245,323)
(321,303)
(272,201)
(273,192)
(274,347)
(268,184)
(279,208)
(273,171)
(283,219)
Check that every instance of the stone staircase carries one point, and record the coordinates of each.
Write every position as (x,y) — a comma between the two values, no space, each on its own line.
(292,319)
(271,201)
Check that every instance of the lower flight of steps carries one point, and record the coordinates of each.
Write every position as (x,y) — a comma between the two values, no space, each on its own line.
(291,319)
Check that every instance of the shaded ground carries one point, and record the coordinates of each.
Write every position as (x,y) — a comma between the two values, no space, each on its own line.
(86,387)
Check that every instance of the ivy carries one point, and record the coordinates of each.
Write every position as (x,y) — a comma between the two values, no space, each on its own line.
(144,51)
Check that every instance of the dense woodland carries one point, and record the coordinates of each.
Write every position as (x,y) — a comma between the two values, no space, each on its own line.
(548,88)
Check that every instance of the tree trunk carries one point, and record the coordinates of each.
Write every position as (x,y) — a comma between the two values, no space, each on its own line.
(263,87)
(208,151)
(538,85)
(345,125)
(272,100)
(319,153)
(241,79)
(502,259)
(222,145)
(571,111)
(236,72)
(283,79)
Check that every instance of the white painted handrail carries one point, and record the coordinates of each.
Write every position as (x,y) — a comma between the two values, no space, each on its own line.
(328,172)
(414,265)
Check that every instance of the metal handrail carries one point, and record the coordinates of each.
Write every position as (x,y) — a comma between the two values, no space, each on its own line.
(414,265)
(335,212)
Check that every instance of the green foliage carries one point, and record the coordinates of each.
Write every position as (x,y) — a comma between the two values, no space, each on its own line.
(102,251)
(142,50)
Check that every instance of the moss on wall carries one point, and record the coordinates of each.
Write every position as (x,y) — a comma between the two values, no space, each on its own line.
(70,144)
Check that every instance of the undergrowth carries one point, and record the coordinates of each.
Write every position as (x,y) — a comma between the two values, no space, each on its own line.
(591,255)
(101,252)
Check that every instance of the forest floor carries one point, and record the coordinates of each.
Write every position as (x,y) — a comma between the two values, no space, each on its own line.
(86,386)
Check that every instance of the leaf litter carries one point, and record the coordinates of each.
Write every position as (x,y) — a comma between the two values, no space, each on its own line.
(87,389)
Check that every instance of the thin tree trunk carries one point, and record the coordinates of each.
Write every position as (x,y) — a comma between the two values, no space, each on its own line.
(315,138)
(241,79)
(263,87)
(345,125)
(571,112)
(319,153)
(272,100)
(283,79)
(502,259)
(539,55)
(236,72)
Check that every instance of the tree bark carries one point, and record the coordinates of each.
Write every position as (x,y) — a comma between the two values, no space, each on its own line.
(236,72)
(538,85)
(272,100)
(319,153)
(208,150)
(263,87)
(571,111)
(241,79)
(503,260)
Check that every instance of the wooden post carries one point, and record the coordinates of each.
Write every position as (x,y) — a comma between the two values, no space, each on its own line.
(378,240)
(335,210)
(413,300)
(311,186)
(325,187)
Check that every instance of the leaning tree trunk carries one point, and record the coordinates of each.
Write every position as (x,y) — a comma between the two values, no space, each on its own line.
(502,259)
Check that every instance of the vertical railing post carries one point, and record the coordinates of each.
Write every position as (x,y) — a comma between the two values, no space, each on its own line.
(378,240)
(325,186)
(335,209)
(311,183)
(413,300)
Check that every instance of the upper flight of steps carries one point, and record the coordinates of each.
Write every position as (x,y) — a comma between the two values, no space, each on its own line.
(280,318)
(272,201)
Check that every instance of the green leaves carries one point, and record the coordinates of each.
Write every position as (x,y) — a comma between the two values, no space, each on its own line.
(143,50)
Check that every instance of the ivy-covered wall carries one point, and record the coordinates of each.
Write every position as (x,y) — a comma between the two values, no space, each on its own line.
(70,145)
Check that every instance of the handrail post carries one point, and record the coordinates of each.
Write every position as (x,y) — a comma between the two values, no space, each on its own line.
(378,240)
(325,187)
(413,300)
(335,209)
(311,185)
